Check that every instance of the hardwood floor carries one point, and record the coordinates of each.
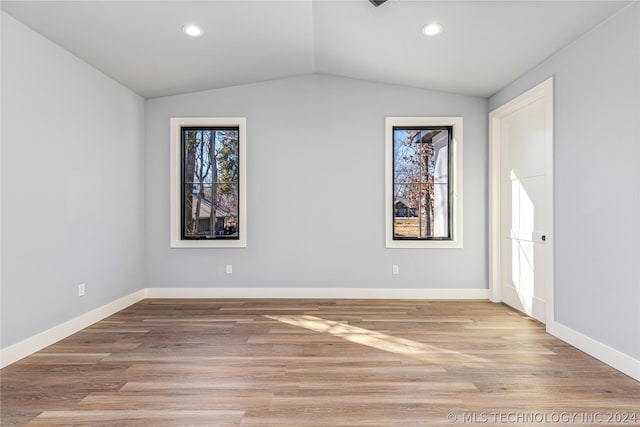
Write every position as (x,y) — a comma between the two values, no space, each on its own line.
(255,363)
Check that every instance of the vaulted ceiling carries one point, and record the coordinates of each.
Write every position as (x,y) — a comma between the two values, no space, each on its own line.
(484,45)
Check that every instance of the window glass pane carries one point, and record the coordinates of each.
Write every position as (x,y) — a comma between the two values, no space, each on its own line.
(210,176)
(406,210)
(421,183)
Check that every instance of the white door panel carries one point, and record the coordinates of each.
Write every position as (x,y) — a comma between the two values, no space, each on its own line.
(523,190)
(525,132)
(521,203)
(531,204)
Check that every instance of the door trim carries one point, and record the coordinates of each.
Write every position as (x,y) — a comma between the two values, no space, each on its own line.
(542,91)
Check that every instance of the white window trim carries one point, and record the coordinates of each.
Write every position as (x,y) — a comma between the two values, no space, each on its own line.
(176,124)
(456,209)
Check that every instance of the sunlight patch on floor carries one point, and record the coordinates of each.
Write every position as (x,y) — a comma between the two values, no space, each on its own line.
(378,340)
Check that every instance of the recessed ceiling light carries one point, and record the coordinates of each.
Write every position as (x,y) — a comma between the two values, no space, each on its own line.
(432,29)
(192,30)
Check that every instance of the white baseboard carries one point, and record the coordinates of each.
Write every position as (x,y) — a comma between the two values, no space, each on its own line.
(612,357)
(37,342)
(315,293)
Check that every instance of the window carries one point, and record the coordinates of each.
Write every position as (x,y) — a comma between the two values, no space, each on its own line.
(424,182)
(208,183)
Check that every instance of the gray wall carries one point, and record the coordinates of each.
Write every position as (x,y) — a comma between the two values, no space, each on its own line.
(72,185)
(597,180)
(315,164)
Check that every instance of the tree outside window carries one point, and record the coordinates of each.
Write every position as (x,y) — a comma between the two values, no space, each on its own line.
(421,183)
(210,175)
(208,182)
(423,189)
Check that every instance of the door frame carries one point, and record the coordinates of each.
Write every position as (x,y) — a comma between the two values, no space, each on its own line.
(542,91)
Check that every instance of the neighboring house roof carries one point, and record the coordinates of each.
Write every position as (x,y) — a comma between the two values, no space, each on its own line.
(402,200)
(205,209)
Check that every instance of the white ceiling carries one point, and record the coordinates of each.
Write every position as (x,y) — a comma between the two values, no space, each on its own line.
(484,46)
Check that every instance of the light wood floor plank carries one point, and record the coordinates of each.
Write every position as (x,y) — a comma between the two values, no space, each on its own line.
(293,363)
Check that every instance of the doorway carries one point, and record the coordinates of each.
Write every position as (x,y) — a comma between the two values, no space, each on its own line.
(521,203)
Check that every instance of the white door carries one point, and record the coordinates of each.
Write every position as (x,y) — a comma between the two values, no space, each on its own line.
(524,215)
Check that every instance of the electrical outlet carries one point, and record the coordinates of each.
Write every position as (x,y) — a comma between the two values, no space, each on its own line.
(81,289)
(229,269)
(395,269)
